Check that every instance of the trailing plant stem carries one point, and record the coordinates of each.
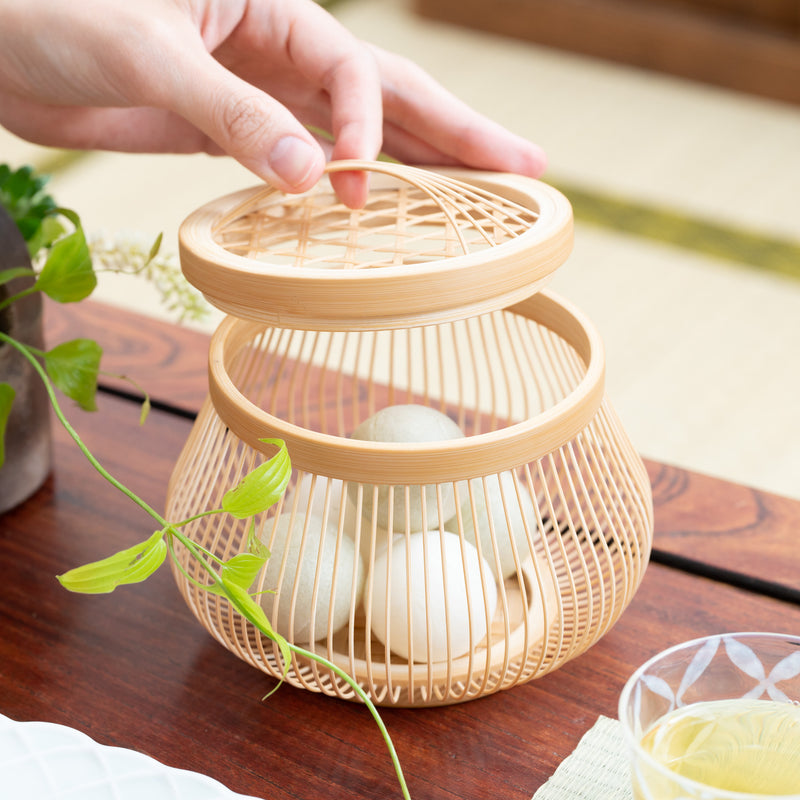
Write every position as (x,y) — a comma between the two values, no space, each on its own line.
(364,697)
(199,553)
(8,301)
(29,355)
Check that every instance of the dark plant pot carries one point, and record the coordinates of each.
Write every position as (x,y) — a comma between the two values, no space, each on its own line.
(28,437)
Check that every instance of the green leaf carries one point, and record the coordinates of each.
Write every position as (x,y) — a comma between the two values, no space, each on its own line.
(50,229)
(261,488)
(7,275)
(68,275)
(23,197)
(255,545)
(144,413)
(73,367)
(253,612)
(242,569)
(7,395)
(133,565)
(154,248)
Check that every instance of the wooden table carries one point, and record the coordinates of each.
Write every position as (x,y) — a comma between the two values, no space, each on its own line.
(135,669)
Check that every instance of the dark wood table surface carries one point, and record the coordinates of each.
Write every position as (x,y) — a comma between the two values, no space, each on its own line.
(134,668)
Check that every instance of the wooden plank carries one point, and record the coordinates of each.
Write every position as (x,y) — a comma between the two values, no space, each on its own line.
(167,360)
(693,511)
(689,43)
(782,15)
(134,669)
(705,523)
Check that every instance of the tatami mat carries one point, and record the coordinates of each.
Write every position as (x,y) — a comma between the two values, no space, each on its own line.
(700,343)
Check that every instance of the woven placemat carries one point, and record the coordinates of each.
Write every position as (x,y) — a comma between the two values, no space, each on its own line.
(597,768)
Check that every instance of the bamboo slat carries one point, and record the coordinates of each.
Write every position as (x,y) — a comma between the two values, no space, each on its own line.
(432,568)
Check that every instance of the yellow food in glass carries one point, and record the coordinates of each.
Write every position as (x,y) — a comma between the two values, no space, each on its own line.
(744,745)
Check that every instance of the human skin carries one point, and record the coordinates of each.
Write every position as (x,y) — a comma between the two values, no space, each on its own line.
(248,78)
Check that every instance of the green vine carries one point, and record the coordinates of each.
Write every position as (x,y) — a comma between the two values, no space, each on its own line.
(66,275)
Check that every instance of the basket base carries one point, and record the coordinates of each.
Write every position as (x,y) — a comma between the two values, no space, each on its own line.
(511,654)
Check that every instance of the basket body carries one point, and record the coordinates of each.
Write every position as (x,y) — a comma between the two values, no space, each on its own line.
(432,572)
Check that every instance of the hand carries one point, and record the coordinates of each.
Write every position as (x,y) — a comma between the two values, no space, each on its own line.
(238,77)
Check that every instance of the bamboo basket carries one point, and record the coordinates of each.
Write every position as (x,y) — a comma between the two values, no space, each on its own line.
(510,536)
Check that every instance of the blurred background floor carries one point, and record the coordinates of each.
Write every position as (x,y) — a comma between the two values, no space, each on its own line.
(687,241)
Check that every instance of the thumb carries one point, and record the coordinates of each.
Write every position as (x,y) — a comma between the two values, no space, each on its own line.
(250,126)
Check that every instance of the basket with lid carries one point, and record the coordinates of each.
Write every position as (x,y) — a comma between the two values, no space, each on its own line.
(466,512)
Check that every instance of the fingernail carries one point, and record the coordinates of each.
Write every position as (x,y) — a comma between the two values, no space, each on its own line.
(292,160)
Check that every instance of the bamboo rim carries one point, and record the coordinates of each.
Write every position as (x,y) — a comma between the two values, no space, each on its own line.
(396,295)
(547,497)
(419,463)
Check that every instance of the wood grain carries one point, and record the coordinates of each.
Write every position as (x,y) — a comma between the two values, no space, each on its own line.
(759,55)
(732,532)
(168,361)
(736,532)
(134,669)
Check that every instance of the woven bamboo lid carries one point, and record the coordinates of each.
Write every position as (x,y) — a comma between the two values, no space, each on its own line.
(427,247)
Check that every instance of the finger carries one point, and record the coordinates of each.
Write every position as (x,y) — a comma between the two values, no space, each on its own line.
(422,116)
(410,148)
(357,119)
(347,71)
(132,130)
(248,124)
(357,129)
(301,56)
